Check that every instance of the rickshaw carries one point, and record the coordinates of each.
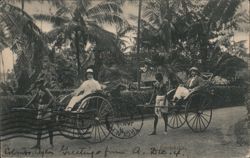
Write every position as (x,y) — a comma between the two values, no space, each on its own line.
(195,109)
(95,118)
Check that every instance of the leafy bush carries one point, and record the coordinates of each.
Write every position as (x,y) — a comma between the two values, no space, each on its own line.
(228,95)
(8,102)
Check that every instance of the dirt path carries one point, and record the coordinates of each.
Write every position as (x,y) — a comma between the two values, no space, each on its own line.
(218,141)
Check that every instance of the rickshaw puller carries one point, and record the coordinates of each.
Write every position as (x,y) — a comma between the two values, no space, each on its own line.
(160,102)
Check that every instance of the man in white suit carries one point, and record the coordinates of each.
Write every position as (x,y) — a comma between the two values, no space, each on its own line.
(87,87)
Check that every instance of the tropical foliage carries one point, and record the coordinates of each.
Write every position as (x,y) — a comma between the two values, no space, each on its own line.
(189,32)
(80,22)
(21,34)
(175,35)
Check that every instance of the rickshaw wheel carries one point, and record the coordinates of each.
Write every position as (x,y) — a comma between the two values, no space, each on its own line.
(98,118)
(198,112)
(128,121)
(68,125)
(176,118)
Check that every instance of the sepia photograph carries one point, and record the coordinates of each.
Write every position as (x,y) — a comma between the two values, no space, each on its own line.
(124,78)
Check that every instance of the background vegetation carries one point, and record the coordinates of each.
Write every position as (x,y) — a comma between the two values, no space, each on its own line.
(175,35)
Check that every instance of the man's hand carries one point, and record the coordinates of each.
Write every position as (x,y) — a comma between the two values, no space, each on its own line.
(191,90)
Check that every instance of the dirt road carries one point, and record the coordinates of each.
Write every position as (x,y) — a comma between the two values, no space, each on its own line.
(218,141)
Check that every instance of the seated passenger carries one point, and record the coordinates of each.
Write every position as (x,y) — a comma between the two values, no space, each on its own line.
(192,84)
(89,86)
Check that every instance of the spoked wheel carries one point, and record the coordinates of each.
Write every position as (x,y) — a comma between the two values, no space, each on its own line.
(128,122)
(198,112)
(69,125)
(176,118)
(68,121)
(98,116)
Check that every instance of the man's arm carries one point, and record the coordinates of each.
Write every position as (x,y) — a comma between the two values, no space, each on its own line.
(198,84)
(79,90)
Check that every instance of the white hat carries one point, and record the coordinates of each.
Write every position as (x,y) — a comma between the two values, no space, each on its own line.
(89,71)
(194,69)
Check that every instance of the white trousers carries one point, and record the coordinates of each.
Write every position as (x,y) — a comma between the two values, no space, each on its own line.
(160,106)
(181,92)
(73,101)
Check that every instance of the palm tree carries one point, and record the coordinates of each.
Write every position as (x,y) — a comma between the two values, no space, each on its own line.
(157,23)
(215,16)
(159,17)
(191,24)
(24,38)
(82,21)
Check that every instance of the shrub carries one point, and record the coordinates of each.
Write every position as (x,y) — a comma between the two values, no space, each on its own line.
(7,102)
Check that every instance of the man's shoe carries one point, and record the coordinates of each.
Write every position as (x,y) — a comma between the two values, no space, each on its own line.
(165,132)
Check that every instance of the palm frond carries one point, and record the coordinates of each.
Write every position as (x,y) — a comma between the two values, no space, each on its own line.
(124,30)
(108,18)
(62,10)
(145,23)
(105,8)
(67,30)
(230,11)
(97,33)
(105,40)
(56,20)
(53,33)
(83,5)
(152,12)
(221,12)
(16,19)
(58,3)
(119,2)
(8,8)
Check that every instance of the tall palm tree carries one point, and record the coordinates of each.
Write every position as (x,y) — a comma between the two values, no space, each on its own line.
(82,20)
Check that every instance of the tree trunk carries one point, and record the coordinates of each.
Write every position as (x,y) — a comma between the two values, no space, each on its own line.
(22,3)
(138,46)
(248,105)
(77,54)
(169,40)
(248,95)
